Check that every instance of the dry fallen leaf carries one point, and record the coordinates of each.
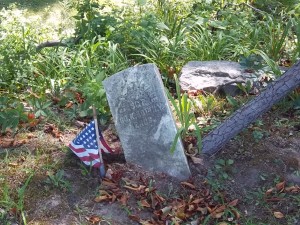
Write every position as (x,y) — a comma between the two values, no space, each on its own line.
(292,189)
(278,215)
(93,219)
(124,198)
(139,188)
(31,135)
(159,198)
(191,208)
(220,209)
(197,160)
(180,213)
(280,186)
(198,200)
(233,203)
(18,143)
(217,215)
(13,164)
(188,185)
(102,198)
(69,105)
(6,142)
(109,174)
(166,210)
(191,150)
(268,192)
(202,210)
(236,213)
(134,218)
(146,222)
(144,203)
(131,183)
(108,183)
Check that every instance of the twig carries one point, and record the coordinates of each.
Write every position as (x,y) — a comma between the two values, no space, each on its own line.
(253,8)
(48,44)
(56,43)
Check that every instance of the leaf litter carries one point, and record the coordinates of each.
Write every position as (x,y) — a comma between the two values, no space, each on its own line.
(154,198)
(142,193)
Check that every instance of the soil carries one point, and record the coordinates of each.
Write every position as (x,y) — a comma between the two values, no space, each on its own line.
(258,166)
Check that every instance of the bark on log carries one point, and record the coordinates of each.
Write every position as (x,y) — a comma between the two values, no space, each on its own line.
(248,113)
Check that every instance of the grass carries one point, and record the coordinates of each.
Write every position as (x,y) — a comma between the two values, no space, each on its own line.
(168,35)
(52,165)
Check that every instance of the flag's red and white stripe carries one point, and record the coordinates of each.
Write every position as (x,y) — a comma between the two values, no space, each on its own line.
(86,148)
(89,157)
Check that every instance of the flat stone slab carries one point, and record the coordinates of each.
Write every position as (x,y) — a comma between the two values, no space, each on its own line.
(144,120)
(211,75)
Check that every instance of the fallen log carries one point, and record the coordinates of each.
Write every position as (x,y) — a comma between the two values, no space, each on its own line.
(248,113)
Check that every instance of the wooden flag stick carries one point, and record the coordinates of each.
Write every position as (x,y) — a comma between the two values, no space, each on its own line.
(102,167)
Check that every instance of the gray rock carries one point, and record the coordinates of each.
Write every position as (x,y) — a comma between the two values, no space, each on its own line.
(213,76)
(144,120)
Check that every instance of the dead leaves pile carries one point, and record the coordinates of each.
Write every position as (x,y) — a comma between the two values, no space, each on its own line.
(141,195)
(274,195)
(12,141)
(53,130)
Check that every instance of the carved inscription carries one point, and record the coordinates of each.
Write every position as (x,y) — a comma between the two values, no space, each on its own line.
(143,111)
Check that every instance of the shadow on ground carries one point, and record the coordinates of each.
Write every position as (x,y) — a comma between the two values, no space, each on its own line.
(32,5)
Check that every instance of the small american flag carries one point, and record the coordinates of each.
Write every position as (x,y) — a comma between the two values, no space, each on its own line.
(86,148)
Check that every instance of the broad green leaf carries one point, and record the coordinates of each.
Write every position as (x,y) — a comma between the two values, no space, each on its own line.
(141,2)
(162,26)
(173,146)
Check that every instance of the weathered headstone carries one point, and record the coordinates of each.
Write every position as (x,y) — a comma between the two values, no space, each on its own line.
(144,120)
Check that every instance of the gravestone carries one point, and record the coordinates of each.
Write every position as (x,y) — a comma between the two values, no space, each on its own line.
(144,120)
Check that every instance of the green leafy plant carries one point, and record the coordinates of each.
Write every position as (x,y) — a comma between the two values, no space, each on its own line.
(208,104)
(85,170)
(233,102)
(8,203)
(224,167)
(246,88)
(183,110)
(11,113)
(252,62)
(58,180)
(40,107)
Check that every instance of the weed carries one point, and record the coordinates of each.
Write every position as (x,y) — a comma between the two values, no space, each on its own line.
(11,113)
(297,173)
(257,135)
(224,168)
(233,102)
(246,88)
(257,196)
(217,176)
(185,116)
(41,107)
(10,204)
(207,104)
(85,170)
(58,180)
